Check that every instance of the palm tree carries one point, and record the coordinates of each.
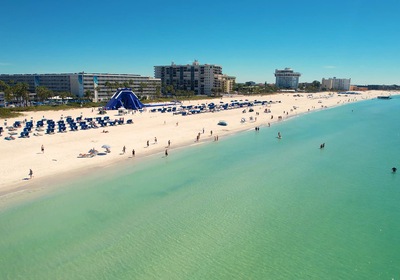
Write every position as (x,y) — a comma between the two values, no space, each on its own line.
(157,89)
(42,93)
(8,93)
(142,86)
(170,89)
(3,86)
(20,91)
(64,95)
(88,94)
(116,85)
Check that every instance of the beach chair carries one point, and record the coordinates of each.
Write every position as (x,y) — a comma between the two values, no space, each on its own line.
(24,134)
(49,131)
(39,124)
(73,127)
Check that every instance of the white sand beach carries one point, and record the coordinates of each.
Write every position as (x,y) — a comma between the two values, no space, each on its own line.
(61,150)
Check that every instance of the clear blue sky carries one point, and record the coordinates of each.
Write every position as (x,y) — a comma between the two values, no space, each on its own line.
(355,39)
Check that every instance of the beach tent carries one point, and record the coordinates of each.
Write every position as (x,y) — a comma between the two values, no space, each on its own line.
(126,98)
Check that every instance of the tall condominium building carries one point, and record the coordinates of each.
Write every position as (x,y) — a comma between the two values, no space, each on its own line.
(287,78)
(79,83)
(336,84)
(200,78)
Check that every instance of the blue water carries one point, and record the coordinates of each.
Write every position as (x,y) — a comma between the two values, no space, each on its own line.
(250,206)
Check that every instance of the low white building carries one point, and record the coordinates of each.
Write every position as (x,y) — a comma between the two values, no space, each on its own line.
(79,83)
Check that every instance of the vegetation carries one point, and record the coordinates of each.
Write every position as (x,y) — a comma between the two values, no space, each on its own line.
(15,91)
(43,93)
(249,88)
(8,113)
(89,94)
(315,86)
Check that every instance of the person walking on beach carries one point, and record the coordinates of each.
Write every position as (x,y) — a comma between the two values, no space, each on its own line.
(169,143)
(166,152)
(133,152)
(155,140)
(123,149)
(42,148)
(148,143)
(30,173)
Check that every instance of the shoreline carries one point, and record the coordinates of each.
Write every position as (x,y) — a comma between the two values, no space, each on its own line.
(59,162)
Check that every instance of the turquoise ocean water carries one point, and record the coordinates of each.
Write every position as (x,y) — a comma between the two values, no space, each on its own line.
(250,206)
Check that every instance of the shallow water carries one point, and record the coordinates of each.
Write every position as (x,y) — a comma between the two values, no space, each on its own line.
(247,207)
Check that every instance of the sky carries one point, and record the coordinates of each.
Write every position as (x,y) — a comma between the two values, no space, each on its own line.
(355,39)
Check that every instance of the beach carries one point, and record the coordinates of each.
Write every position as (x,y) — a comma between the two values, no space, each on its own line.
(59,159)
(249,206)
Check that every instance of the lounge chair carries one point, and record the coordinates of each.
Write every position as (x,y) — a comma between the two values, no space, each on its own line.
(24,134)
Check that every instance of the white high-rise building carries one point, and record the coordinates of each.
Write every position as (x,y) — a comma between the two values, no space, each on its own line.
(336,84)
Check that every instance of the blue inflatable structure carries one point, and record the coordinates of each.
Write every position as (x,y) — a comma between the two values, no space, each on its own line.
(124,97)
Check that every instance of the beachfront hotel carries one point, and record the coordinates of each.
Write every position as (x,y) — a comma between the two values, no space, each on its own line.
(335,84)
(199,78)
(287,79)
(79,83)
